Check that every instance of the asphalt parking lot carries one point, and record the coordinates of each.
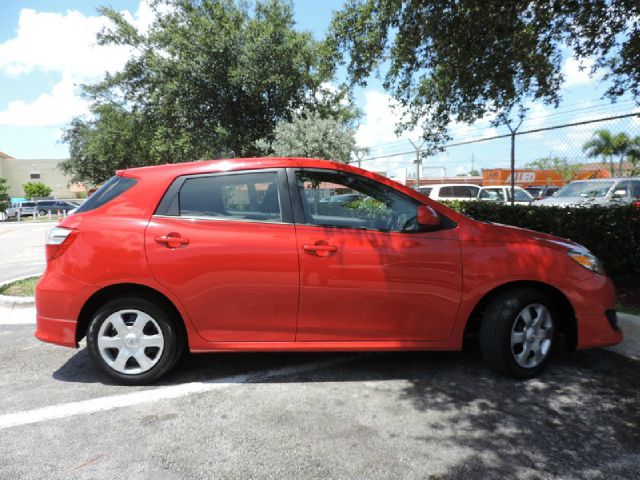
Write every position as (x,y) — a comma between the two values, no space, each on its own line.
(22,251)
(382,415)
(417,415)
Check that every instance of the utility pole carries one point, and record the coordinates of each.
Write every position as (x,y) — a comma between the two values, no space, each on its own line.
(417,161)
(473,161)
(513,154)
(360,155)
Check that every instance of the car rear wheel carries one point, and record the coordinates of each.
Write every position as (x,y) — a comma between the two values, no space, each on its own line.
(133,340)
(517,332)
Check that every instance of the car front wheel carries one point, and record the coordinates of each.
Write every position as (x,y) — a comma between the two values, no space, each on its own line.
(517,332)
(132,340)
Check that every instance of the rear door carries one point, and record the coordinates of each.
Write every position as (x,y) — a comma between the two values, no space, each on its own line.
(224,244)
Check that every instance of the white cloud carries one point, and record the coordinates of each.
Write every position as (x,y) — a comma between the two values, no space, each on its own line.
(54,108)
(576,73)
(62,44)
(379,124)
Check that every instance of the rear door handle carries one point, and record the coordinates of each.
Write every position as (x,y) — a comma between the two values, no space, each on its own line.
(320,248)
(173,240)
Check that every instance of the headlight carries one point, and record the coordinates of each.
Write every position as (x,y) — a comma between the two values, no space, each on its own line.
(587,260)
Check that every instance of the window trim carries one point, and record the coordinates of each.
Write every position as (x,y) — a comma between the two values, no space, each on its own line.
(168,204)
(303,218)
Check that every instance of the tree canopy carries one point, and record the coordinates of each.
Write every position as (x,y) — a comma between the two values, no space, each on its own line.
(208,79)
(4,194)
(565,169)
(312,136)
(449,61)
(607,145)
(36,190)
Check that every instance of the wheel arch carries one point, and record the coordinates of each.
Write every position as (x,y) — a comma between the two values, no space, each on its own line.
(111,292)
(567,321)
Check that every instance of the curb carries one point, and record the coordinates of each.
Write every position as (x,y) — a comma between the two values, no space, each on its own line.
(17,302)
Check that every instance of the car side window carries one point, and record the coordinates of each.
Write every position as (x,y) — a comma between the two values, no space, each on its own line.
(622,187)
(344,200)
(635,188)
(494,194)
(520,196)
(248,196)
(447,192)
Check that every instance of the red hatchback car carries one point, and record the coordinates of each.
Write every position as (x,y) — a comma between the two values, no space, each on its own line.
(284,254)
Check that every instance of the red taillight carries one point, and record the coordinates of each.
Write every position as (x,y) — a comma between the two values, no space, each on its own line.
(58,240)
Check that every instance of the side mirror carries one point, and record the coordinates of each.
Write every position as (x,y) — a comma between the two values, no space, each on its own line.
(427,216)
(619,194)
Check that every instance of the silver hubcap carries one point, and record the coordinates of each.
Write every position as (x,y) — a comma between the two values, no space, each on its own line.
(130,341)
(531,335)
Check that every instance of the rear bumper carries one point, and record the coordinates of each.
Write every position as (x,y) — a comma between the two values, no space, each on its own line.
(57,331)
(58,303)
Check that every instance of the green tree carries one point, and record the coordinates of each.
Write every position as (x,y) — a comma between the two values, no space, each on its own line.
(314,137)
(607,145)
(444,61)
(4,194)
(208,79)
(633,155)
(36,190)
(567,170)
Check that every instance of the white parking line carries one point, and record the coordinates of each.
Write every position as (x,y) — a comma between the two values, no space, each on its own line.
(17,316)
(102,404)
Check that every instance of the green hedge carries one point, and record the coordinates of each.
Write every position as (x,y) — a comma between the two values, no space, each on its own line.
(611,233)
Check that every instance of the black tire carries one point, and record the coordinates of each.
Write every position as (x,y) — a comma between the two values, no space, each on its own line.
(42,212)
(503,318)
(164,360)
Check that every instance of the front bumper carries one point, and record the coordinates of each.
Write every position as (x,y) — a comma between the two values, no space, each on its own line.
(594,303)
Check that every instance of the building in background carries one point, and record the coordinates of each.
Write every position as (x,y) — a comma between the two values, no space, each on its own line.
(20,171)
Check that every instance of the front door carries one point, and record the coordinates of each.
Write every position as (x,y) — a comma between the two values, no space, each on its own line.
(225,246)
(368,271)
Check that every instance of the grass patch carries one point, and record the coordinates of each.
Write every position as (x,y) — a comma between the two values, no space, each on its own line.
(21,288)
(632,309)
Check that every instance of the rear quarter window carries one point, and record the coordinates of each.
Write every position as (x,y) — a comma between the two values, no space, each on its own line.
(114,187)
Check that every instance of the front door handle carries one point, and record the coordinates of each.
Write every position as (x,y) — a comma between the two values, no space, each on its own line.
(173,240)
(320,248)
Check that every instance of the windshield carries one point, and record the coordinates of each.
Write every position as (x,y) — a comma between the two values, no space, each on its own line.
(584,189)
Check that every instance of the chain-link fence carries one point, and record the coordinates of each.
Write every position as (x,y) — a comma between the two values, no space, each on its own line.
(545,153)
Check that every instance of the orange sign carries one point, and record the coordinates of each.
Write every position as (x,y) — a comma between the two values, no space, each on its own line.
(536,178)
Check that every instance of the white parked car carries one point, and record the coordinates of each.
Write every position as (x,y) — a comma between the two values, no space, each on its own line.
(451,191)
(602,191)
(502,194)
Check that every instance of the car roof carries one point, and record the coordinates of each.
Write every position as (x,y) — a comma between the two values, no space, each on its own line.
(501,186)
(600,180)
(433,185)
(229,164)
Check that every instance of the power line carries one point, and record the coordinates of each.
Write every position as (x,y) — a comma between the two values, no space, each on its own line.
(524,132)
(556,114)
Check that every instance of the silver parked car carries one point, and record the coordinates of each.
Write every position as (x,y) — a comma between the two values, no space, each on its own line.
(22,208)
(602,191)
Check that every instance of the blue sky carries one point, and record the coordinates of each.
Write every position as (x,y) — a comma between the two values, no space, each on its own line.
(46,51)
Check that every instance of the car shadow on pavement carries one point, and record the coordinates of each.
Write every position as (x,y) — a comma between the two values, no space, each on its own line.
(579,419)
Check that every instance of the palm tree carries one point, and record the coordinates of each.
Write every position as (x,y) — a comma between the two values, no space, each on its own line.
(600,145)
(605,145)
(621,144)
(633,155)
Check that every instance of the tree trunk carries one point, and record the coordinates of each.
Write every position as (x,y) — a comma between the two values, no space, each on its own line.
(621,164)
(611,167)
